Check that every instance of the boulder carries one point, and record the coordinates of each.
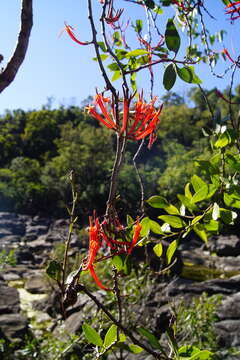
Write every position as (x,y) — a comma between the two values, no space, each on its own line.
(226,245)
(36,284)
(228,333)
(9,300)
(14,327)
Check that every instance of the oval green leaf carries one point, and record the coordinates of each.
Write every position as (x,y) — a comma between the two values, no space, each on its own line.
(169,76)
(172,37)
(188,75)
(91,335)
(110,337)
(173,221)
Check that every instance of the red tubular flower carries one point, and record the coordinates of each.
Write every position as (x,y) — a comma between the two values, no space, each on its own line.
(233,11)
(70,32)
(99,101)
(145,121)
(94,246)
(136,234)
(111,18)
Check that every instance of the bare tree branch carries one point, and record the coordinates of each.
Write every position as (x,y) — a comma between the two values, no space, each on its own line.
(8,75)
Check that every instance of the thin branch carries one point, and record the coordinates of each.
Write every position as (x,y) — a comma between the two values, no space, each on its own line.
(8,75)
(121,326)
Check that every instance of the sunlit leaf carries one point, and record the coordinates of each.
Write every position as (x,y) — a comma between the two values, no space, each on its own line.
(91,335)
(171,251)
(172,220)
(111,336)
(158,249)
(188,75)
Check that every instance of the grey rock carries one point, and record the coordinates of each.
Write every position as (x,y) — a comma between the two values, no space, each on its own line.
(36,284)
(230,307)
(14,327)
(211,287)
(9,300)
(228,333)
(226,245)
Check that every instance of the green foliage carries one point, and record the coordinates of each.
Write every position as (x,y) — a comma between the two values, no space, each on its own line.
(7,258)
(195,322)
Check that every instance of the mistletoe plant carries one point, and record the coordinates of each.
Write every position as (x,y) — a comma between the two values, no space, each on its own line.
(125,50)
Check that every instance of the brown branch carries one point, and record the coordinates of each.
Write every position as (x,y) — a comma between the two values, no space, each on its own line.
(8,75)
(126,331)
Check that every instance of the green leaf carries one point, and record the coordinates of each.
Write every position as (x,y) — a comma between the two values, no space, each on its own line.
(197,182)
(138,26)
(91,335)
(232,199)
(157,202)
(188,75)
(155,227)
(120,53)
(151,337)
(158,249)
(116,75)
(54,270)
(186,202)
(136,52)
(227,216)
(233,162)
(187,191)
(145,222)
(113,67)
(102,57)
(118,262)
(171,250)
(190,352)
(135,349)
(169,76)
(110,337)
(223,140)
(212,226)
(199,230)
(172,37)
(201,194)
(158,10)
(173,221)
(102,46)
(171,209)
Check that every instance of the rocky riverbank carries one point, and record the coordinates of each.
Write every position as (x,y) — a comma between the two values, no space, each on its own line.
(28,302)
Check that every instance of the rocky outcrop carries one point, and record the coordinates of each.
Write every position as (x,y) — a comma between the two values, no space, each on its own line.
(217,271)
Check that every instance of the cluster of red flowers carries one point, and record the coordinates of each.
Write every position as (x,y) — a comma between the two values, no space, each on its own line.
(97,234)
(144,121)
(226,52)
(233,10)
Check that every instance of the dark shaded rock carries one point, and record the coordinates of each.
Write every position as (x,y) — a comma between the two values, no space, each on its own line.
(9,300)
(50,305)
(74,322)
(226,245)
(14,327)
(24,256)
(40,245)
(230,307)
(211,287)
(228,333)
(33,232)
(36,284)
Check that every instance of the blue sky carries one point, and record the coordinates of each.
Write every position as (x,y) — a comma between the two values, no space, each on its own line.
(57,67)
